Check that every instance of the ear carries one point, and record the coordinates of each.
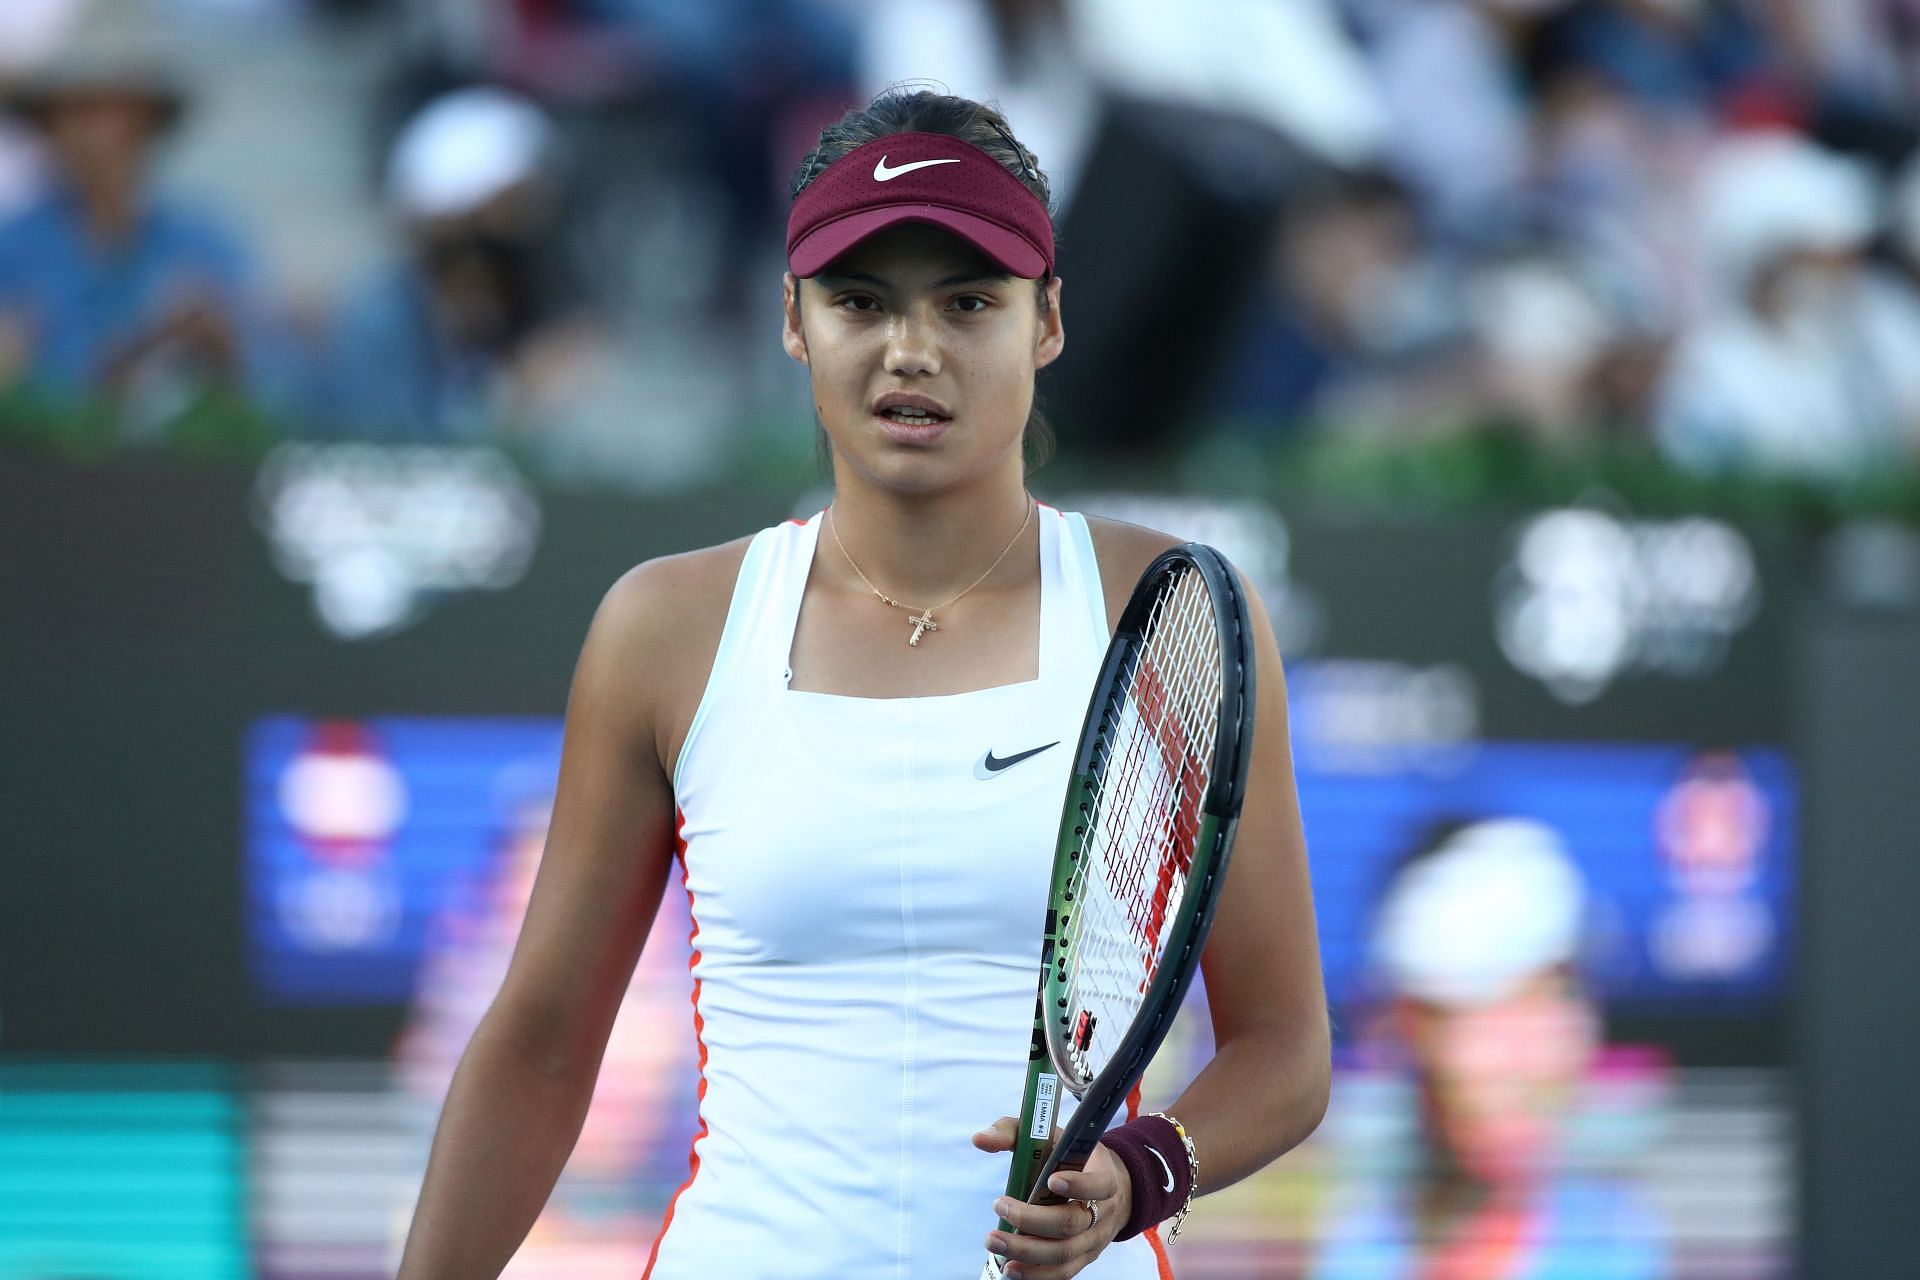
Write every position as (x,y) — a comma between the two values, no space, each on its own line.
(1052,336)
(792,337)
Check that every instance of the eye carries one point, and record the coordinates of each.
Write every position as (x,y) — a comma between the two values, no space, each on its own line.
(857,302)
(972,303)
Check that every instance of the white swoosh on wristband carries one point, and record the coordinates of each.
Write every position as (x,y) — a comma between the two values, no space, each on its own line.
(1164,1165)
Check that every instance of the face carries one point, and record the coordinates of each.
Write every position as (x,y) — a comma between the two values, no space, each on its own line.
(1496,1080)
(102,136)
(922,354)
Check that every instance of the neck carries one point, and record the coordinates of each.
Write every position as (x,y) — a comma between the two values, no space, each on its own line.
(923,548)
(111,210)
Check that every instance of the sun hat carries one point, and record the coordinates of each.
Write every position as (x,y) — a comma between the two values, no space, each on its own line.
(111,46)
(920,177)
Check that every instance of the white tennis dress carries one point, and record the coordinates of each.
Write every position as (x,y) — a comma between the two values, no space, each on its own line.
(867,890)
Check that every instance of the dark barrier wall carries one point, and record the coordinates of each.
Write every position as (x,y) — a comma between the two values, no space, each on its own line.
(1858,1032)
(144,630)
(148,627)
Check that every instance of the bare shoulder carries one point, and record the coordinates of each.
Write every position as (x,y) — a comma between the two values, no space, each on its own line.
(660,600)
(1124,552)
(663,619)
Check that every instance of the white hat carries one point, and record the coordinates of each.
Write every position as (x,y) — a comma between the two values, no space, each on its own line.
(462,150)
(76,48)
(1495,905)
(1767,193)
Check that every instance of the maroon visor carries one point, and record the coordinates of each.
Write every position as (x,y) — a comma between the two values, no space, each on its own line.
(920,177)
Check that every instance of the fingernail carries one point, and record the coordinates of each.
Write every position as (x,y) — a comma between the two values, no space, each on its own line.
(997,1244)
(1003,1206)
(1059,1184)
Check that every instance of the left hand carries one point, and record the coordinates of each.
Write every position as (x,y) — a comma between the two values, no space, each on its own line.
(1058,1240)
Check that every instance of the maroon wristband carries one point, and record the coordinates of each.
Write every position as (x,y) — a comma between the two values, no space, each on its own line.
(1156,1162)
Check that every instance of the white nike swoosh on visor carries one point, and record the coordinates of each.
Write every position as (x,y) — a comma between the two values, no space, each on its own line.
(883,174)
(1164,1165)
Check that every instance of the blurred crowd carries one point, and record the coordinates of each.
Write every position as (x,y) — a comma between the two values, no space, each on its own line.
(1690,224)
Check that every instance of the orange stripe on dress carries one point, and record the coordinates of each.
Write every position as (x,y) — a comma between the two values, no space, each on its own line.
(699,1037)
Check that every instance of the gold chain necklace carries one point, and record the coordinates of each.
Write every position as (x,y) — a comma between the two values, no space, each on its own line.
(924,622)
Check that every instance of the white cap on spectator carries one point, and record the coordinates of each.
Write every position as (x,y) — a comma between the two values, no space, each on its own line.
(58,49)
(1497,904)
(462,150)
(1764,194)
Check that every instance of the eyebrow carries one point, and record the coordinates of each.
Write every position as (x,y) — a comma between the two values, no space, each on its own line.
(861,277)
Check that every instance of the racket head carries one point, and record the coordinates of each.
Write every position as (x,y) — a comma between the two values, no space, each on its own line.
(1171,743)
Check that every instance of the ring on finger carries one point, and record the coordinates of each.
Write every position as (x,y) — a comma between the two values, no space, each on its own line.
(1091,1207)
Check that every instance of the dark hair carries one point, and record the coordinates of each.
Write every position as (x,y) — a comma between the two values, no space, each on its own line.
(903,110)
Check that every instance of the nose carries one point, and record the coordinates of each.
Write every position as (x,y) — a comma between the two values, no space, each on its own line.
(913,346)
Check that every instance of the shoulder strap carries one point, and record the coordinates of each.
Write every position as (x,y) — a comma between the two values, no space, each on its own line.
(1084,567)
(749,658)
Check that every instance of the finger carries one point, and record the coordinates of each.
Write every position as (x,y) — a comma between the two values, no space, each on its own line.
(1036,1271)
(997,1136)
(1096,1182)
(1053,1221)
(1031,1250)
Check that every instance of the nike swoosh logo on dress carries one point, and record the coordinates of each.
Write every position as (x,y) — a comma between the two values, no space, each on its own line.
(883,174)
(990,765)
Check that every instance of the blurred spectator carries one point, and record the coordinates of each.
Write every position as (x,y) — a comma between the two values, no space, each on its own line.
(1856,64)
(108,287)
(473,329)
(1456,110)
(1476,944)
(1544,331)
(30,30)
(716,97)
(1904,217)
(1048,63)
(1017,53)
(1362,319)
(1808,360)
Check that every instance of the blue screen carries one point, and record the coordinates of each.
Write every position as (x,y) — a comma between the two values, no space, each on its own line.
(361,833)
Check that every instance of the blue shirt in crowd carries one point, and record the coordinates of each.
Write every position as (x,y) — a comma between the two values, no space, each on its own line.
(82,301)
(1584,1230)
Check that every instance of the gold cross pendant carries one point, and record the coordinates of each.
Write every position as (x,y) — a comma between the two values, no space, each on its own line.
(924,622)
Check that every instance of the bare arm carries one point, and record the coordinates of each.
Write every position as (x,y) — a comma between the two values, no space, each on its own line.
(520,1094)
(1266,1087)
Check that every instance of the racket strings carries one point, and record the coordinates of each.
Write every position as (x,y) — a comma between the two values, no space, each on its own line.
(1154,764)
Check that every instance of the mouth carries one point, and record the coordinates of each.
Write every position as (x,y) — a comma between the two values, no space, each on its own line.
(909,410)
(913,420)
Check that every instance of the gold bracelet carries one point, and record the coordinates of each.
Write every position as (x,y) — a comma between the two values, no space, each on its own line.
(1193,1171)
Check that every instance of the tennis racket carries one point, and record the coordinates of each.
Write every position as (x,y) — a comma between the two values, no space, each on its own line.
(1148,823)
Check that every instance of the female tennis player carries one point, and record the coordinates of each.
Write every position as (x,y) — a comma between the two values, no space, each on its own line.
(853,732)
